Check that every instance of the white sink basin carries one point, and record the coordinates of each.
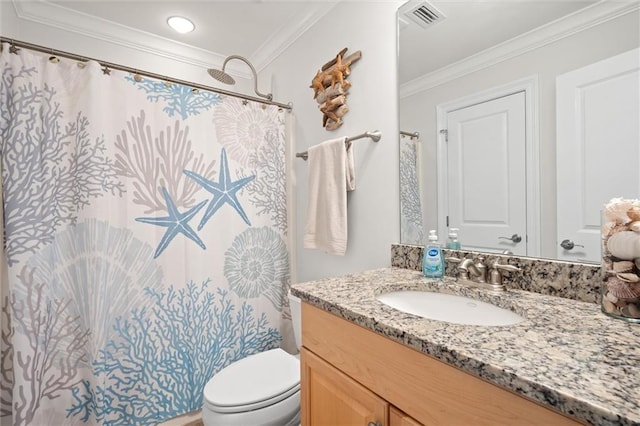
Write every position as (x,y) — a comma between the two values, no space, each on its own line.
(449,308)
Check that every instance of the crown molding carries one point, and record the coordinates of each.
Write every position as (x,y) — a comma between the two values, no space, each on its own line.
(289,33)
(571,24)
(54,15)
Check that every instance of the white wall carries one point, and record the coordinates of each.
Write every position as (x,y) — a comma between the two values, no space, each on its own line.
(373,207)
(418,112)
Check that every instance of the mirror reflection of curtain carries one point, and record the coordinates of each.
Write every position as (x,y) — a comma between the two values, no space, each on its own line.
(410,199)
(145,241)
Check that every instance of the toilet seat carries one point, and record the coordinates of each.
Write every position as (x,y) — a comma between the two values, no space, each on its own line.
(254,382)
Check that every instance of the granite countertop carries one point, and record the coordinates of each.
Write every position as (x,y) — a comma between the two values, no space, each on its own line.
(566,354)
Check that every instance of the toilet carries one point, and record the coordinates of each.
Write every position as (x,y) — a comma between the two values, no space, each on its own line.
(260,390)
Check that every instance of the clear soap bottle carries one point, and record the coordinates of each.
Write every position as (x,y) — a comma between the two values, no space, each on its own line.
(452,242)
(432,259)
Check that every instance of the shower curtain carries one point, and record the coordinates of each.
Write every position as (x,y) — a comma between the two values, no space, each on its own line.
(144,241)
(411,229)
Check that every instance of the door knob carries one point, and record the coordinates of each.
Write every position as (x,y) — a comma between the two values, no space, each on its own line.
(514,238)
(568,245)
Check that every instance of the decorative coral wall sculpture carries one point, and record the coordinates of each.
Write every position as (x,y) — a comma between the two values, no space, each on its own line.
(330,87)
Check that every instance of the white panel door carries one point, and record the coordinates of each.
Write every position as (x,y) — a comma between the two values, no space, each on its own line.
(597,148)
(486,183)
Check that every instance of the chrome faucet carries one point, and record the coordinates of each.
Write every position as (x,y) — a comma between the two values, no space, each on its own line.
(474,271)
(474,274)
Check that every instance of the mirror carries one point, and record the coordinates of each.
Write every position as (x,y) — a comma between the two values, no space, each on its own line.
(453,50)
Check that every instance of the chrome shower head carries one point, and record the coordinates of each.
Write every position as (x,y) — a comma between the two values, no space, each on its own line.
(221,76)
(225,78)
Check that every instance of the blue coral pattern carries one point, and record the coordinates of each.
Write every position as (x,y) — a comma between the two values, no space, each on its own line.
(144,240)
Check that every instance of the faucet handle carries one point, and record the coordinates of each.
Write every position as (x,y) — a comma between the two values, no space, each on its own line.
(453,259)
(498,268)
(507,268)
(504,267)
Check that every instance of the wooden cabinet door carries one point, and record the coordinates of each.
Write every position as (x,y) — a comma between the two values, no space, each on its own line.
(398,418)
(331,398)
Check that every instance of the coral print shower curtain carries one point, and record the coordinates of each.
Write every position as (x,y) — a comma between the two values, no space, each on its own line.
(144,241)
(411,230)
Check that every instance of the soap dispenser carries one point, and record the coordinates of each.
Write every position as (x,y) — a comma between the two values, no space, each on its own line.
(432,258)
(452,242)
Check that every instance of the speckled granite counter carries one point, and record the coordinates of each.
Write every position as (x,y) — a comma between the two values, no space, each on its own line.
(566,354)
(571,280)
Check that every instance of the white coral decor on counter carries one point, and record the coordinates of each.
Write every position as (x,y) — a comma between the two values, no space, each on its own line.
(621,259)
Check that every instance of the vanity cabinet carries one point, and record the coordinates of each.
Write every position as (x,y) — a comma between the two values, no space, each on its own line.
(333,398)
(353,376)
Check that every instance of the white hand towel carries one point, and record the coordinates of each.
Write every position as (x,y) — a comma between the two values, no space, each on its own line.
(331,175)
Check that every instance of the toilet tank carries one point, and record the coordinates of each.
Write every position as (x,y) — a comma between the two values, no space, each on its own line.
(296,318)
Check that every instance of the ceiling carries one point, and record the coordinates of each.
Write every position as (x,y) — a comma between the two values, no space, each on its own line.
(240,27)
(471,27)
(261,29)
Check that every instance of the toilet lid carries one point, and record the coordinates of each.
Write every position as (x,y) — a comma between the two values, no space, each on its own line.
(254,382)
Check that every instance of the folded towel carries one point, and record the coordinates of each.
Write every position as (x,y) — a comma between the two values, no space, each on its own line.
(331,175)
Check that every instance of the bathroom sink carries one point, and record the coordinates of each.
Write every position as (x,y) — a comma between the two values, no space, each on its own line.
(449,308)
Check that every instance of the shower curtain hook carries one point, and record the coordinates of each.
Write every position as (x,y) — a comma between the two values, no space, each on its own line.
(13,49)
(53,58)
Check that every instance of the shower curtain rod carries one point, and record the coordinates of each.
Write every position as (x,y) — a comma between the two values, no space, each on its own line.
(136,71)
(411,135)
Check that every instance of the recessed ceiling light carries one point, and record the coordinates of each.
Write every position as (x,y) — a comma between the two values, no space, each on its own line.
(180,24)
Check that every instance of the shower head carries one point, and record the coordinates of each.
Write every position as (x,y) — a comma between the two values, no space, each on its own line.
(221,76)
(225,78)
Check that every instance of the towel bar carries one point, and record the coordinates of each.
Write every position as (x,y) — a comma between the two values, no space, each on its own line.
(375,136)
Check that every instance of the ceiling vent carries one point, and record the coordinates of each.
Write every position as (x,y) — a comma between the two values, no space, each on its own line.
(422,13)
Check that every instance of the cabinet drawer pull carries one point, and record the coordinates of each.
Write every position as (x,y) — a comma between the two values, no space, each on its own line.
(374,424)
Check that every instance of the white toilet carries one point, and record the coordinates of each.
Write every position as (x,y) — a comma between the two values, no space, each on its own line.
(259,390)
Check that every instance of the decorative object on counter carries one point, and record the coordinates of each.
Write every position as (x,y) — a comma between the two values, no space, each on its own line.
(621,259)
(330,87)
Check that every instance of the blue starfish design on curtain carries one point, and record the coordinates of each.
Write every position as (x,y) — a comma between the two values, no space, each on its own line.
(176,223)
(224,191)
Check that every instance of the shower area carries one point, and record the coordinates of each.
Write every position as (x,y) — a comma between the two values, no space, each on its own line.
(411,214)
(145,238)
